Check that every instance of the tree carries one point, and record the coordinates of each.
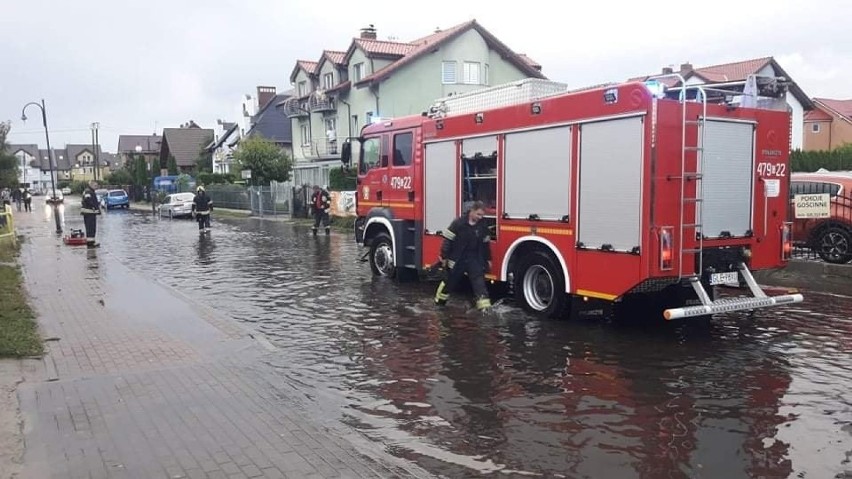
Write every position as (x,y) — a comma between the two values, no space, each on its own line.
(8,161)
(264,158)
(172,165)
(140,171)
(205,157)
(119,177)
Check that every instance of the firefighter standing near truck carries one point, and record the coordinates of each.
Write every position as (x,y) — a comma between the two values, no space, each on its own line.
(321,202)
(466,249)
(91,208)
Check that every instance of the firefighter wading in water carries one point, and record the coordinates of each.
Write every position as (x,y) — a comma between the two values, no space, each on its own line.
(90,209)
(203,205)
(466,250)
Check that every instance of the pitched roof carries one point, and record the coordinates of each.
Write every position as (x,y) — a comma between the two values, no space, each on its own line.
(31,150)
(73,151)
(271,123)
(334,56)
(186,143)
(732,72)
(229,128)
(63,162)
(841,108)
(427,44)
(817,114)
(149,143)
(307,65)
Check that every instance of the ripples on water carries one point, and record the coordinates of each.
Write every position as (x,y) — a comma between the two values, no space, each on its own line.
(761,396)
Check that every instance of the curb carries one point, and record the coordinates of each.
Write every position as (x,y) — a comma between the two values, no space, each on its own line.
(810,275)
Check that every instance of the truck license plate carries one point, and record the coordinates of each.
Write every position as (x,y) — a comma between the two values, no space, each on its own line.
(724,278)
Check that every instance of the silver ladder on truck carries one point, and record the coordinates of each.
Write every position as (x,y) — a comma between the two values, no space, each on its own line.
(759,299)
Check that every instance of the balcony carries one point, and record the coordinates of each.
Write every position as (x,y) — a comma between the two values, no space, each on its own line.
(319,102)
(295,107)
(323,148)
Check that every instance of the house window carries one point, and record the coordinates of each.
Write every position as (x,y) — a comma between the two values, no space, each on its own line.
(306,136)
(448,72)
(815,128)
(328,81)
(355,124)
(303,88)
(359,71)
(471,73)
(485,79)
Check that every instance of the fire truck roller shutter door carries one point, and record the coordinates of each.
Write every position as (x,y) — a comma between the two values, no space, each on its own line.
(728,180)
(538,174)
(439,179)
(610,182)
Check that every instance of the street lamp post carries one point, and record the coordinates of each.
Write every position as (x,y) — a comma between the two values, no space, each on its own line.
(49,158)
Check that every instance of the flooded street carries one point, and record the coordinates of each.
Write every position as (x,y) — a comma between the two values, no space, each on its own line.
(766,395)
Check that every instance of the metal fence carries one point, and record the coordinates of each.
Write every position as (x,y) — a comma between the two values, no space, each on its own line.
(827,235)
(275,199)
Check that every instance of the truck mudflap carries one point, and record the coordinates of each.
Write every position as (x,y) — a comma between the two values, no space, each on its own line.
(759,299)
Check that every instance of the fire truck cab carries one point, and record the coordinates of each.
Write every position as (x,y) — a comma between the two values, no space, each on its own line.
(614,192)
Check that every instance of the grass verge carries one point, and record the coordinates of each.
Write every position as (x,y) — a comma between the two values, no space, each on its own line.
(19,335)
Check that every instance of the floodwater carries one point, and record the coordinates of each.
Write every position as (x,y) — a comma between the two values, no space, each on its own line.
(749,395)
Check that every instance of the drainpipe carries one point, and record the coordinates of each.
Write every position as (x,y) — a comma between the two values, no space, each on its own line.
(349,113)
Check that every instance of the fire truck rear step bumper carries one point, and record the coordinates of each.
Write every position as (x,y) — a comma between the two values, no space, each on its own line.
(727,305)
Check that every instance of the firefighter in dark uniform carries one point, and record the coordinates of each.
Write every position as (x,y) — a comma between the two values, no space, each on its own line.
(90,209)
(320,202)
(466,249)
(203,206)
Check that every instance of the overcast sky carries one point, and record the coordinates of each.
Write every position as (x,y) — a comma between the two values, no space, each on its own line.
(139,66)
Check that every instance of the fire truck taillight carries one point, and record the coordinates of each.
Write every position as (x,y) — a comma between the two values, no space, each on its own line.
(786,242)
(666,247)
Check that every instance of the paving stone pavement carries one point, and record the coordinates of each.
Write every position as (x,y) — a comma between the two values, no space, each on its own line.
(142,382)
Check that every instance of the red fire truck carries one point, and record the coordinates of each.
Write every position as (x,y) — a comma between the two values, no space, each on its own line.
(615,192)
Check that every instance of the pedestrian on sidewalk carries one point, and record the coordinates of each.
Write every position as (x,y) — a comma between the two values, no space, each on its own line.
(5,197)
(27,197)
(90,209)
(321,203)
(203,206)
(466,249)
(17,197)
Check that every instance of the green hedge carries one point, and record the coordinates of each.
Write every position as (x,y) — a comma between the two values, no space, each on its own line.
(834,160)
(341,180)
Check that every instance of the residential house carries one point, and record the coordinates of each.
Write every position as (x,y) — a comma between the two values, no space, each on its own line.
(29,167)
(86,163)
(223,133)
(828,125)
(257,116)
(186,145)
(736,74)
(343,90)
(132,146)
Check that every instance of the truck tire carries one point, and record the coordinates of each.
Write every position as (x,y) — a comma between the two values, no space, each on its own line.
(539,285)
(834,244)
(381,256)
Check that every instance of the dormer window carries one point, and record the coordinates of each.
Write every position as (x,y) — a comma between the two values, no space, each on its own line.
(328,81)
(303,88)
(358,71)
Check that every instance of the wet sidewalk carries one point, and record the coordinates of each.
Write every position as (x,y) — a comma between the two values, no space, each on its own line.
(140,381)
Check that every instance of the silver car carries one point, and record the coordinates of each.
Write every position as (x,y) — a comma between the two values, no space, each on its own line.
(177,205)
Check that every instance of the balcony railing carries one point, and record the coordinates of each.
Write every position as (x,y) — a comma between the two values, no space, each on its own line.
(322,148)
(321,102)
(295,107)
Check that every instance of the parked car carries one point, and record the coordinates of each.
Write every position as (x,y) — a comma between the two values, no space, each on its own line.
(102,193)
(57,198)
(117,199)
(66,191)
(831,237)
(177,205)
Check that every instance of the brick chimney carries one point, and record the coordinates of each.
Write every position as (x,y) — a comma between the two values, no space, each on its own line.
(668,70)
(264,94)
(685,67)
(369,32)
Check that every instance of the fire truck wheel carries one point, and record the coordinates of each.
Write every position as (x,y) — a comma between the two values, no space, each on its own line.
(381,256)
(539,285)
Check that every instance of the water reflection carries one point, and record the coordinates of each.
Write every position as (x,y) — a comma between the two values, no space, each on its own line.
(463,394)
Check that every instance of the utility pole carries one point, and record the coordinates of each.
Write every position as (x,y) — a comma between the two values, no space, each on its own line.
(96,172)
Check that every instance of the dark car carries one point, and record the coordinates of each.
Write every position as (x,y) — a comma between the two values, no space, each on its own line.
(830,234)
